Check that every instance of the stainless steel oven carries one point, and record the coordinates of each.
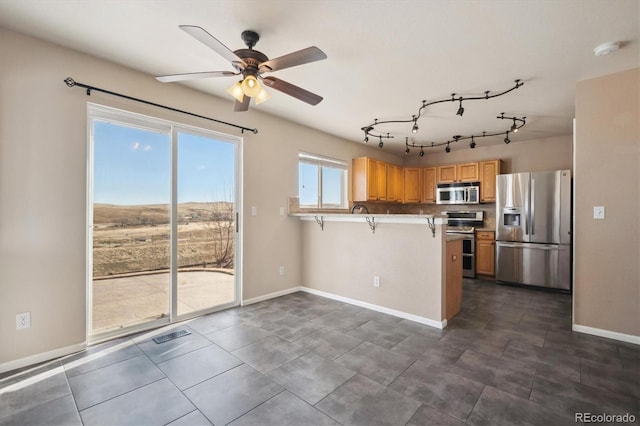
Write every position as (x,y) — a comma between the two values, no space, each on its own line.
(464,223)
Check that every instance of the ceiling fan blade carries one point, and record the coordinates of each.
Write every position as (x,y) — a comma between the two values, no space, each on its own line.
(241,106)
(194,75)
(304,56)
(213,43)
(292,90)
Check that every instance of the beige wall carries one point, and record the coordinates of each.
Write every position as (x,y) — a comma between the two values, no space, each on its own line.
(343,258)
(519,156)
(607,163)
(43,168)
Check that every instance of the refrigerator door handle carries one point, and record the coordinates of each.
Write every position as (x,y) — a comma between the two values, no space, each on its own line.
(531,246)
(533,206)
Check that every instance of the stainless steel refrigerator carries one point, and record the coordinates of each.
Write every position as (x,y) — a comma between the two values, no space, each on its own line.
(533,235)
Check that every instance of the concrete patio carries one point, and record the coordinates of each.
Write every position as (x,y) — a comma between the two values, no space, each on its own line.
(133,299)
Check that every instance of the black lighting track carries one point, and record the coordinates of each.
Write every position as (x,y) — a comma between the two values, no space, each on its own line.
(72,83)
(370,129)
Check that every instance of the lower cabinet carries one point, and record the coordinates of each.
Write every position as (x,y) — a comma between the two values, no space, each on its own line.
(485,253)
(453,291)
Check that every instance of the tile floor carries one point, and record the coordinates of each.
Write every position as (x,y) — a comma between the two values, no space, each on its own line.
(508,358)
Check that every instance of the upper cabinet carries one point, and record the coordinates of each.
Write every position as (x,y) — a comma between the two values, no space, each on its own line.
(411,179)
(464,172)
(467,172)
(394,183)
(488,172)
(364,183)
(429,185)
(374,180)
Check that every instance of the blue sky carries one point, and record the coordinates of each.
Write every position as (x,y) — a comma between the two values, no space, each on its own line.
(133,166)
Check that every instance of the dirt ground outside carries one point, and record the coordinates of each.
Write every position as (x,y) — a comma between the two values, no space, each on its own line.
(131,261)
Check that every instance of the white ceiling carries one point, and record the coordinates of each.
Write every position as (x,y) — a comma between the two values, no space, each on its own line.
(384,56)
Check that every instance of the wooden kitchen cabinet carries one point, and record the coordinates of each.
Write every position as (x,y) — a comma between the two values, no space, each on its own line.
(488,172)
(467,172)
(447,174)
(453,291)
(375,180)
(485,253)
(394,183)
(411,178)
(428,185)
(364,182)
(464,172)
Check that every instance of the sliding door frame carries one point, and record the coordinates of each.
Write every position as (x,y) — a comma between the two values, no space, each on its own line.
(172,128)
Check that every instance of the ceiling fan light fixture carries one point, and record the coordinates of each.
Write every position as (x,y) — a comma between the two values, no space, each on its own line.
(236,92)
(251,86)
(263,96)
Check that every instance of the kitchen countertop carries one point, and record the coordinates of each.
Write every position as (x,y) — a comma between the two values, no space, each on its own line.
(380,218)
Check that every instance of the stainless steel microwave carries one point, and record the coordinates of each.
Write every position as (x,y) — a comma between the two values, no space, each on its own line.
(458,193)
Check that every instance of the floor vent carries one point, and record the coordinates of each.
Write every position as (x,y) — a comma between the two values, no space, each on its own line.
(171,336)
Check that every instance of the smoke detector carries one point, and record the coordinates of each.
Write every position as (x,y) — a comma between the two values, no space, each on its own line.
(606,48)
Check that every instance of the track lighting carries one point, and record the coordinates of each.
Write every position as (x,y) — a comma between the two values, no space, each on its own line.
(370,130)
(407,151)
(447,149)
(514,127)
(460,109)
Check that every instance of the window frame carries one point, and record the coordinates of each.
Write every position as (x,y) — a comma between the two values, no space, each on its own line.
(322,162)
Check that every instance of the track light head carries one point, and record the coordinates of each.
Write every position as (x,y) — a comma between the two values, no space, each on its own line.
(381,144)
(460,109)
(514,127)
(414,129)
(506,139)
(421,153)
(407,151)
(366,139)
(473,143)
(447,149)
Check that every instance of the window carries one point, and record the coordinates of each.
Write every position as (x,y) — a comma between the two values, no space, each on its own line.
(322,182)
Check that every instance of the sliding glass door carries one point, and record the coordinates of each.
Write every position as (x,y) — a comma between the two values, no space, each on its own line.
(206,222)
(162,215)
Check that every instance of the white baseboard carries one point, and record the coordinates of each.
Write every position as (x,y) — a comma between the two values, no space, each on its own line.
(411,317)
(629,338)
(42,357)
(270,296)
(378,308)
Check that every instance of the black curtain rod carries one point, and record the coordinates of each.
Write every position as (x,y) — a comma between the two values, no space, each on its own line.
(71,83)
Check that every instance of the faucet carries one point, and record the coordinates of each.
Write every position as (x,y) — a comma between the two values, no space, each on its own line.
(361,207)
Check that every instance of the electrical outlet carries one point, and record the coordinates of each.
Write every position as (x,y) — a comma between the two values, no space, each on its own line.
(282,270)
(281,211)
(376,281)
(23,320)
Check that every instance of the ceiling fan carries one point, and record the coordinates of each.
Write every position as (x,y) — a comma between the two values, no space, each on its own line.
(251,64)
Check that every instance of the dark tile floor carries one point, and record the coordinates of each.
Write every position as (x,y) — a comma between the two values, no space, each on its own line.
(508,358)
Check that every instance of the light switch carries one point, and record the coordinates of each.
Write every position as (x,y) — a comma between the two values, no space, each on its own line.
(598,212)
(254,211)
